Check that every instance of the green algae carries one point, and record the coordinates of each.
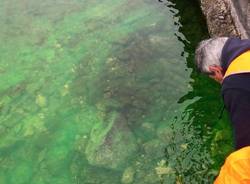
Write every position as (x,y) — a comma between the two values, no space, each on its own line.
(90,92)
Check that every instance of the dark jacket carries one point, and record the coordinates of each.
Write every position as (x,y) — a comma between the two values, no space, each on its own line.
(236,92)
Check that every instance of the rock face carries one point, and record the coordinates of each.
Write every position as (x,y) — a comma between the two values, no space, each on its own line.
(241,14)
(227,17)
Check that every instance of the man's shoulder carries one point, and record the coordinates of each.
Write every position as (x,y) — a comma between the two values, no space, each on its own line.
(233,48)
(236,82)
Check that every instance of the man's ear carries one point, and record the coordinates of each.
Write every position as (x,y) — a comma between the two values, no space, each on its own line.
(217,73)
(216,69)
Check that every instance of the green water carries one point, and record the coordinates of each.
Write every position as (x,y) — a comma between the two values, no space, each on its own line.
(104,92)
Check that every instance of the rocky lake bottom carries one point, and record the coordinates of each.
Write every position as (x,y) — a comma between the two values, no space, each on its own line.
(106,92)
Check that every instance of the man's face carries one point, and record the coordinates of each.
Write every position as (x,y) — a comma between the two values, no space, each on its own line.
(217,73)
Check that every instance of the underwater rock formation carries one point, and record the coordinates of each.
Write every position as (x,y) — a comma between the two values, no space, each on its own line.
(106,146)
(128,175)
(226,17)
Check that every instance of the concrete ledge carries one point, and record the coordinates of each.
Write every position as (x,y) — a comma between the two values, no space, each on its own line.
(240,13)
(227,17)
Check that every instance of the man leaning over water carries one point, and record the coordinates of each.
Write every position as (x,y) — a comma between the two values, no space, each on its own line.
(227,60)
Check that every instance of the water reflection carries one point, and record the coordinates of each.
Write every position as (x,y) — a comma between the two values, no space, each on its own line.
(210,137)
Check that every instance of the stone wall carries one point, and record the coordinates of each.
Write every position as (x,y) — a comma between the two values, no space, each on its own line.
(241,14)
(227,17)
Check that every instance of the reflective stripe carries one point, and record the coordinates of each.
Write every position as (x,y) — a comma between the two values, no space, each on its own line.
(239,65)
(236,169)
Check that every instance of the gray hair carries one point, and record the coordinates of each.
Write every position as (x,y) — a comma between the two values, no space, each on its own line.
(208,53)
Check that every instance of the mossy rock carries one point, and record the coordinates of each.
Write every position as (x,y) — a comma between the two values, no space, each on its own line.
(128,175)
(114,147)
(154,148)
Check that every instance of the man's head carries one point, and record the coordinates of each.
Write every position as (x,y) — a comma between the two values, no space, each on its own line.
(208,57)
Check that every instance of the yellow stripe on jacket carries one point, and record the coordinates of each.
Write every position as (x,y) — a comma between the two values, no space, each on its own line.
(241,64)
(236,169)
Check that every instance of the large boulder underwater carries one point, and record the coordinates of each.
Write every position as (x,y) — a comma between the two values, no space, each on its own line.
(111,146)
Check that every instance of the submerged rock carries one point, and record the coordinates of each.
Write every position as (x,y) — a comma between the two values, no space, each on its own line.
(128,175)
(96,175)
(154,148)
(165,133)
(162,169)
(149,177)
(112,145)
(41,100)
(148,128)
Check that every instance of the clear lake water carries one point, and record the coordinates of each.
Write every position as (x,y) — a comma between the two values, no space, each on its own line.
(106,92)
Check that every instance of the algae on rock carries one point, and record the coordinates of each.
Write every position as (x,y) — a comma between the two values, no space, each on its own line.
(111,146)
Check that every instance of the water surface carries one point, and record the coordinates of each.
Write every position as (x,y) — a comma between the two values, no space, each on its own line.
(103,92)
